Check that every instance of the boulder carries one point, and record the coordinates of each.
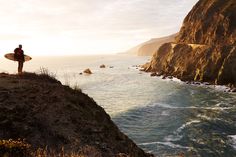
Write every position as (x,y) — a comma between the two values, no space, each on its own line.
(233,90)
(153,74)
(87,71)
(102,66)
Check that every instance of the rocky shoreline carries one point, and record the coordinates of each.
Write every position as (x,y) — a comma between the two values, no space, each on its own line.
(224,88)
(205,48)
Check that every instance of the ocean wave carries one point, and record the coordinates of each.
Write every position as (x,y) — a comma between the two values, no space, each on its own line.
(220,88)
(172,138)
(169,144)
(163,105)
(187,124)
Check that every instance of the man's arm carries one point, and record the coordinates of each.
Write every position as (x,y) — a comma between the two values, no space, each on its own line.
(15,51)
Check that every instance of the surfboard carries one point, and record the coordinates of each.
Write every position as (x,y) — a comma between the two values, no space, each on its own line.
(10,56)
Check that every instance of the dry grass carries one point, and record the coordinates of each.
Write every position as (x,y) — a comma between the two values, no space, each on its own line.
(42,75)
(67,81)
(19,148)
(13,148)
(76,87)
(46,72)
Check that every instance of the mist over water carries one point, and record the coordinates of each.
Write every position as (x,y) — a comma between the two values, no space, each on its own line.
(163,117)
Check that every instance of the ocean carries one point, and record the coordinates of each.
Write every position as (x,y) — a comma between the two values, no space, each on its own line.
(164,117)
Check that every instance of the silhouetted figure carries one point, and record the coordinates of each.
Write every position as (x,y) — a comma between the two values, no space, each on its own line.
(19,56)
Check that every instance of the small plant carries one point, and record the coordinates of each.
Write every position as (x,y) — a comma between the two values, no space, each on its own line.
(76,87)
(45,72)
(12,148)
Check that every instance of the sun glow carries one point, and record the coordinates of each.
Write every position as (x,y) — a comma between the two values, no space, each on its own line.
(74,27)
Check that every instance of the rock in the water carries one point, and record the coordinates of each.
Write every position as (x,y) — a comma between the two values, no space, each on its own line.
(233,90)
(205,48)
(164,77)
(102,66)
(153,74)
(87,71)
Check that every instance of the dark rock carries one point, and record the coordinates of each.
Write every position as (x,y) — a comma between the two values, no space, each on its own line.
(233,90)
(153,74)
(102,66)
(164,77)
(197,83)
(87,71)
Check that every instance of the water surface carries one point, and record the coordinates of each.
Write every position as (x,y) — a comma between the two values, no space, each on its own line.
(163,117)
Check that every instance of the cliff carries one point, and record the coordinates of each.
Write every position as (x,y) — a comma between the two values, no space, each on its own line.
(41,110)
(205,48)
(148,48)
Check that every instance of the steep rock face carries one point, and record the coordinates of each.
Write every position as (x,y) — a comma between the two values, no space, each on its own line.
(46,113)
(210,22)
(205,48)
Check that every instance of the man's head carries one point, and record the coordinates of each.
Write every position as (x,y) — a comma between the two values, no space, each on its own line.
(20,46)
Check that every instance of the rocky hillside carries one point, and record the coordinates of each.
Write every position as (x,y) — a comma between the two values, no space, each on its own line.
(45,113)
(205,48)
(148,48)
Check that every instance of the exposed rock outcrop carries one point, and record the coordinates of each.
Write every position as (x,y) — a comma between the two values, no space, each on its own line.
(45,113)
(150,47)
(103,66)
(88,71)
(205,48)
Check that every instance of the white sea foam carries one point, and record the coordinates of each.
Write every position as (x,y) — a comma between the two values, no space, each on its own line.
(233,140)
(165,113)
(172,138)
(220,88)
(187,124)
(204,117)
(169,144)
(216,107)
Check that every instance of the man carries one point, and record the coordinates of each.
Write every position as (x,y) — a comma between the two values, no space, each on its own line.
(19,56)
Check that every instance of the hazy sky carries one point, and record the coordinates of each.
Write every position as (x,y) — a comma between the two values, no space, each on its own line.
(61,27)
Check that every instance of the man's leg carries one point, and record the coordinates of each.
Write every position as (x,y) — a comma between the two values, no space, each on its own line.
(20,66)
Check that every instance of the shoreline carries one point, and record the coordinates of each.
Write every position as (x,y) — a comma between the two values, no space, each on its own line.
(222,88)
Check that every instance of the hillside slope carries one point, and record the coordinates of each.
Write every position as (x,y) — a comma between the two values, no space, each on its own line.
(148,48)
(45,113)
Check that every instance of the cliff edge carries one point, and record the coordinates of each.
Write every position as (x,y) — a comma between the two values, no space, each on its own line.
(42,111)
(205,48)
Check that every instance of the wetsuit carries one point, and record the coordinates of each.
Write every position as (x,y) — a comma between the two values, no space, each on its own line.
(19,56)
